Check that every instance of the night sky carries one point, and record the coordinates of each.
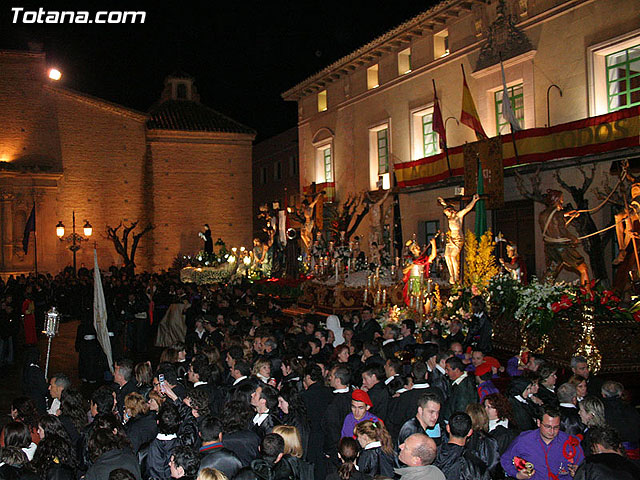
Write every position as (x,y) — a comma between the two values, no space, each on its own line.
(243,55)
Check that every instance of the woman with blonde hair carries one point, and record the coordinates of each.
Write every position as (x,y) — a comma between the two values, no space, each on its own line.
(211,474)
(376,457)
(262,370)
(292,441)
(481,443)
(141,426)
(591,411)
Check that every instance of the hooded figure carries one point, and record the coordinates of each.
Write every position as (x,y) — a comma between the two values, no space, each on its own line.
(333,324)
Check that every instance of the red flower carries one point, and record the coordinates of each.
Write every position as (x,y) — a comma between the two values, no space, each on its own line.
(636,316)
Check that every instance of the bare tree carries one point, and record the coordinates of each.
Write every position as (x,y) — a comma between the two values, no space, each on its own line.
(121,244)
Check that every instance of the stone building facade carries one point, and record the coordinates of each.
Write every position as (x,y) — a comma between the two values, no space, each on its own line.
(177,167)
(276,176)
(370,114)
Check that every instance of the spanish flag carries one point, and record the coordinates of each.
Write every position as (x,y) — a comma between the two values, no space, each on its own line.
(469,115)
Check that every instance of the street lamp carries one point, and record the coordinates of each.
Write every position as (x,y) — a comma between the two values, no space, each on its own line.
(75,238)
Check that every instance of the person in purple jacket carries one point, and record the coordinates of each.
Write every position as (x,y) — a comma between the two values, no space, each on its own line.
(552,454)
(360,405)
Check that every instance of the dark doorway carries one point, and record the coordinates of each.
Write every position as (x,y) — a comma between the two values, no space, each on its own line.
(517,223)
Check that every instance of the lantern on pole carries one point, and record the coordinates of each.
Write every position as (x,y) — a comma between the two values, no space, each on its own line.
(51,330)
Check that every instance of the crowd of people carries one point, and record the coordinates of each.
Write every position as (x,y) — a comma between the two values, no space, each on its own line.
(229,387)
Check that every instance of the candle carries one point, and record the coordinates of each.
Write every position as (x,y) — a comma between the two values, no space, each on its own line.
(384,296)
(366,291)
(349,265)
(378,297)
(336,265)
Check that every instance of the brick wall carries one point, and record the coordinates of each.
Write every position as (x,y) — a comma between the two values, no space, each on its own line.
(200,183)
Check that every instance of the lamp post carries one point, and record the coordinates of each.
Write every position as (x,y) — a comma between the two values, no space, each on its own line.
(75,238)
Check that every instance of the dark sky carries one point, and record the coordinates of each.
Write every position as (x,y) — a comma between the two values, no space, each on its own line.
(243,55)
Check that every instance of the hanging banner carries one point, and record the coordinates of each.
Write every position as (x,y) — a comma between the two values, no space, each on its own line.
(589,136)
(489,152)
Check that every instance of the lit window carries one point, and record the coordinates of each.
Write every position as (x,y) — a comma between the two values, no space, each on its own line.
(441,44)
(328,168)
(383,151)
(623,78)
(372,77)
(404,61)
(429,137)
(322,101)
(517,104)
(425,141)
(379,154)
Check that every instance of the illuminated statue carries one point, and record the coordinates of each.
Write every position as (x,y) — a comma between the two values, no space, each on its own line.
(516,267)
(309,222)
(560,245)
(417,269)
(455,236)
(376,217)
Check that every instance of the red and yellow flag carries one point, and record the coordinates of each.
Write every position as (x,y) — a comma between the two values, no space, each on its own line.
(469,115)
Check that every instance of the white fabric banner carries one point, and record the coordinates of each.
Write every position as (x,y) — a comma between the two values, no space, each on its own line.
(100,312)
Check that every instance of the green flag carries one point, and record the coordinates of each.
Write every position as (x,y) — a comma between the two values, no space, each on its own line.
(481,211)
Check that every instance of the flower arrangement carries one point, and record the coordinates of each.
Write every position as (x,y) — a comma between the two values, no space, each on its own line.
(534,305)
(503,292)
(480,263)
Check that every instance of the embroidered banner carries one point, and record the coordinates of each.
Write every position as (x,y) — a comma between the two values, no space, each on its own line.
(588,136)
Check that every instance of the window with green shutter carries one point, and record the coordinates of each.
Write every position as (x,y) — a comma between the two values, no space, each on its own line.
(383,151)
(623,78)
(429,137)
(516,97)
(328,170)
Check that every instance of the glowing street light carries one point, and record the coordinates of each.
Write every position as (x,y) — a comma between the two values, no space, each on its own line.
(75,238)
(55,74)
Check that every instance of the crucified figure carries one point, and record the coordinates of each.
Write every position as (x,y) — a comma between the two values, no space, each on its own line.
(376,217)
(309,221)
(455,236)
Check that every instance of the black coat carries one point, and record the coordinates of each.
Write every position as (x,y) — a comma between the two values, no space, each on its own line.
(122,392)
(479,334)
(570,421)
(547,396)
(461,395)
(221,459)
(112,460)
(458,464)
(607,466)
(523,414)
(412,426)
(316,398)
(302,424)
(267,425)
(244,443)
(374,461)
(332,423)
(486,448)
(8,472)
(34,386)
(440,380)
(405,407)
(504,437)
(364,332)
(624,418)
(159,456)
(141,429)
(380,398)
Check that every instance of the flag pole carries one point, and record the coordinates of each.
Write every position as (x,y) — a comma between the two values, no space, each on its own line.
(446,149)
(35,239)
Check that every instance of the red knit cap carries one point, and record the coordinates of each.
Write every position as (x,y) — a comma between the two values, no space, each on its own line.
(361,396)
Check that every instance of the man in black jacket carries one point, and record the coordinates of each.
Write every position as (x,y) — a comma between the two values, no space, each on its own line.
(372,383)
(463,388)
(569,417)
(425,420)
(340,407)
(123,377)
(624,418)
(265,400)
(366,330)
(212,453)
(608,459)
(316,398)
(455,462)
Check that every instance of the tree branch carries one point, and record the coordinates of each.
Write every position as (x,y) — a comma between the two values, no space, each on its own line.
(535,193)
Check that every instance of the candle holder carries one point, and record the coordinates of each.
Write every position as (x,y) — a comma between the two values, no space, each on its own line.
(51,330)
